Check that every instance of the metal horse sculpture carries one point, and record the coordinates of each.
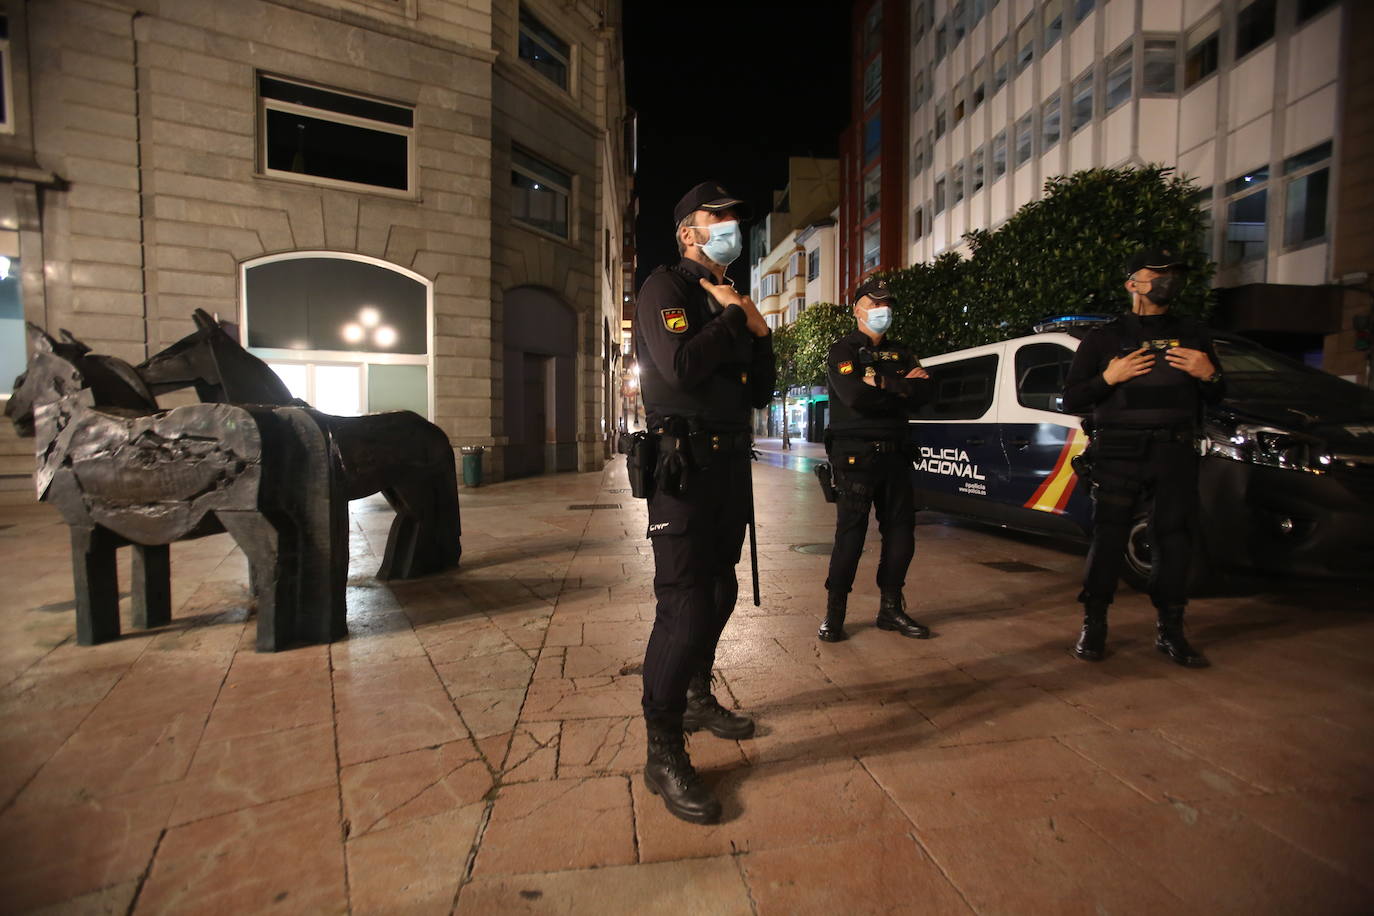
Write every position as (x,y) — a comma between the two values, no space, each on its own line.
(123,472)
(398,453)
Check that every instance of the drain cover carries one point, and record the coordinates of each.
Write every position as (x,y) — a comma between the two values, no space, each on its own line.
(822,549)
(1014,566)
(595,506)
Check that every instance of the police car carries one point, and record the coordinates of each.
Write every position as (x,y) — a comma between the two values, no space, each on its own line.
(1286,482)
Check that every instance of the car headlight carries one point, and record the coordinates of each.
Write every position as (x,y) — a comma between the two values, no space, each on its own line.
(1269,446)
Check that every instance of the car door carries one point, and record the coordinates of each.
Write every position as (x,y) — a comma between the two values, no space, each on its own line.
(1039,440)
(958,464)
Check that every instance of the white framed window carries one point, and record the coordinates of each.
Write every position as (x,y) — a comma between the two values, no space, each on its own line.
(794,265)
(549,55)
(771,283)
(813,265)
(1247,201)
(1203,44)
(872,245)
(939,206)
(956,183)
(1307,188)
(541,194)
(1081,111)
(999,155)
(1118,78)
(999,66)
(1050,122)
(873,186)
(324,136)
(1052,15)
(1025,43)
(977,169)
(1024,138)
(1158,73)
(873,80)
(795,306)
(1255,25)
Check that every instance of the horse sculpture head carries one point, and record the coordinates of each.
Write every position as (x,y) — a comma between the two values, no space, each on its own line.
(61,367)
(219,368)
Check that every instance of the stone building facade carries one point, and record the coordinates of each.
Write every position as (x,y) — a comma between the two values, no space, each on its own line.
(397,202)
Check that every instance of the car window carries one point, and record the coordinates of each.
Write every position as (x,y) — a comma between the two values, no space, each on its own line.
(1257,375)
(963,389)
(1040,372)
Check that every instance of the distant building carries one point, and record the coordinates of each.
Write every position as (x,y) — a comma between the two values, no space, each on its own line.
(1257,101)
(399,204)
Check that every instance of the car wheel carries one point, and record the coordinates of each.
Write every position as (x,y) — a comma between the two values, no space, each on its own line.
(1139,561)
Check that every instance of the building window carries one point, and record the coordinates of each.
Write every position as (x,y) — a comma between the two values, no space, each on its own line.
(980,84)
(1304,207)
(1082,112)
(1023,140)
(977,170)
(939,195)
(941,42)
(813,265)
(872,245)
(1254,26)
(918,157)
(1309,8)
(1247,200)
(1081,9)
(1203,43)
(956,183)
(795,306)
(331,137)
(976,12)
(918,227)
(999,155)
(770,284)
(959,22)
(1025,44)
(1158,75)
(546,52)
(873,81)
(960,95)
(6,85)
(939,120)
(794,266)
(539,194)
(1118,78)
(873,138)
(919,88)
(918,22)
(1053,17)
(1204,203)
(873,185)
(873,28)
(1049,123)
(999,66)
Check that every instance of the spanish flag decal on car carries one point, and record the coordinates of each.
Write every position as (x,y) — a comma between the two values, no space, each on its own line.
(846,367)
(1053,495)
(675,320)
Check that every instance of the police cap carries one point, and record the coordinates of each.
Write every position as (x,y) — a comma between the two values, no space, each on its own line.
(874,288)
(1154,259)
(709,195)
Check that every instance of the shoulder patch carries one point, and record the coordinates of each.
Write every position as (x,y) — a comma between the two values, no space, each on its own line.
(675,320)
(846,367)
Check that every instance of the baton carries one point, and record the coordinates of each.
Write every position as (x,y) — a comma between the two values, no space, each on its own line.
(753,537)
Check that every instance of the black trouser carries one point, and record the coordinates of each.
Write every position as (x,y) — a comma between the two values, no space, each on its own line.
(697,538)
(881,479)
(1165,475)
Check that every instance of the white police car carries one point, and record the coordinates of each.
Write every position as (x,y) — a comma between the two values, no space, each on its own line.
(1286,483)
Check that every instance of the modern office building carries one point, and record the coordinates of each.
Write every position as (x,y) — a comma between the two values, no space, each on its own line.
(1252,100)
(396,203)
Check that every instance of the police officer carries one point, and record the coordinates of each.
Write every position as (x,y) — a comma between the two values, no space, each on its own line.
(705,359)
(1144,377)
(874,384)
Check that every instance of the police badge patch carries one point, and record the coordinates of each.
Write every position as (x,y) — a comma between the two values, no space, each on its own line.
(846,367)
(675,320)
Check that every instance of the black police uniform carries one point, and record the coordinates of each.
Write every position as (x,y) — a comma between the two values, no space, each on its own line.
(1143,449)
(701,371)
(867,445)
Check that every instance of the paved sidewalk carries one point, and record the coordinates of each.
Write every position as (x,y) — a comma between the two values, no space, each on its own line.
(475,743)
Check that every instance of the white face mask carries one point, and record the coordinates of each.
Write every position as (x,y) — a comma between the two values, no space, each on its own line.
(879,319)
(725,243)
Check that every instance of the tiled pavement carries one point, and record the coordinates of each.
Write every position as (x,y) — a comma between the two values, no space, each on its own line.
(474,744)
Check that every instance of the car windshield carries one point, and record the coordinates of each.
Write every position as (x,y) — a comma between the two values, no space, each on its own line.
(1256,374)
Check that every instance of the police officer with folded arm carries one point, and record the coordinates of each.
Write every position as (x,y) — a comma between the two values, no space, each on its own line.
(1144,378)
(875,384)
(705,360)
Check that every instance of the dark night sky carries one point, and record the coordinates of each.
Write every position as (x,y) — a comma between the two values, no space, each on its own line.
(728,90)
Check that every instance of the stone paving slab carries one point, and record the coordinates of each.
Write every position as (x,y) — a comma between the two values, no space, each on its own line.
(475,745)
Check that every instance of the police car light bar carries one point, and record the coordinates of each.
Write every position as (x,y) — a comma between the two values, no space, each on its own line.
(1060,322)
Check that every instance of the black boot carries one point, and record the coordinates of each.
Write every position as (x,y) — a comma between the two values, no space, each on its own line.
(1092,642)
(832,630)
(705,711)
(892,616)
(1171,641)
(668,773)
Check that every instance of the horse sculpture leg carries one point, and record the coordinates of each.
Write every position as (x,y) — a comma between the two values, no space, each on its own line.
(97,584)
(426,535)
(152,585)
(274,583)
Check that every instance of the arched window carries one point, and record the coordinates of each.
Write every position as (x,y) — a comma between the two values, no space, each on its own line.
(347,333)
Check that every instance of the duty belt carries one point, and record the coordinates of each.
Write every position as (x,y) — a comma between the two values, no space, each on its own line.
(1182,432)
(877,445)
(704,441)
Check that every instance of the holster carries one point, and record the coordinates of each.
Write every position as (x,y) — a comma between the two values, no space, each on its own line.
(826,478)
(641,459)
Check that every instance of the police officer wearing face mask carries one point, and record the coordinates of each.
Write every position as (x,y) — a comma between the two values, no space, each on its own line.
(874,384)
(705,360)
(1144,378)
